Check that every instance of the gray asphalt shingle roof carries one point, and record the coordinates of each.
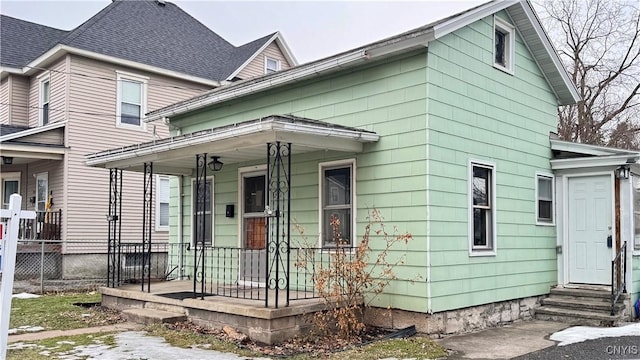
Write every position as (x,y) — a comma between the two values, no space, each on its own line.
(15,33)
(11,129)
(148,32)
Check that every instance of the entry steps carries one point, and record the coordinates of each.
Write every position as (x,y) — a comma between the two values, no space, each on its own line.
(579,306)
(152,316)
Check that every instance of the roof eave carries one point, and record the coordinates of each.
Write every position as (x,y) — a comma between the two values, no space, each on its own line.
(588,149)
(33,131)
(598,161)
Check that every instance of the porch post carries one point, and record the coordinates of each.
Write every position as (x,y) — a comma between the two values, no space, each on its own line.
(147,222)
(199,224)
(278,219)
(114,231)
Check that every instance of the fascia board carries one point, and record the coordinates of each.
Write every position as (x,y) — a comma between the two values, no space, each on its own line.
(597,161)
(470,16)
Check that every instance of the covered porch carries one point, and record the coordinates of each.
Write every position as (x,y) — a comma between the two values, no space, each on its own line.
(247,257)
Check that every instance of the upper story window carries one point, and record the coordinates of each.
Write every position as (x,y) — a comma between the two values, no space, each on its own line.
(482,209)
(45,90)
(132,100)
(337,200)
(504,44)
(271,65)
(544,199)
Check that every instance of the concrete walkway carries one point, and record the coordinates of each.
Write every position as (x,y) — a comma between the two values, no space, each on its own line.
(503,342)
(35,336)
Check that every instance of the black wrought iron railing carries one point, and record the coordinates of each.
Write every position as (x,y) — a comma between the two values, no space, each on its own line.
(47,225)
(133,268)
(618,276)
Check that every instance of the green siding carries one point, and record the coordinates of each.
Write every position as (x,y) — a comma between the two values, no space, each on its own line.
(478,112)
(387,97)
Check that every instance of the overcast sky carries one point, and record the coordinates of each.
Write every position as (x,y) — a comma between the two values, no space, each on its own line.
(312,30)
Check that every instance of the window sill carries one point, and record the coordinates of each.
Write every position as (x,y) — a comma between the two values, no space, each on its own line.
(542,223)
(480,253)
(503,69)
(141,128)
(636,252)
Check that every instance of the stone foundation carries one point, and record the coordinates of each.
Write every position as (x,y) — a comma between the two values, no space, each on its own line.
(456,321)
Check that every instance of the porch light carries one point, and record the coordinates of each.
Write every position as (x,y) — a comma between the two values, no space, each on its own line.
(7,160)
(215,164)
(622,172)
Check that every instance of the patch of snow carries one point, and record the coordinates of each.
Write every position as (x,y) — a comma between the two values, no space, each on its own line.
(21,345)
(66,342)
(578,334)
(24,295)
(136,344)
(25,328)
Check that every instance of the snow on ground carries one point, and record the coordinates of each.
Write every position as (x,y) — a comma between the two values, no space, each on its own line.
(578,334)
(24,295)
(26,328)
(137,345)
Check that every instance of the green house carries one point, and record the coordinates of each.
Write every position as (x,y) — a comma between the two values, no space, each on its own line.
(447,130)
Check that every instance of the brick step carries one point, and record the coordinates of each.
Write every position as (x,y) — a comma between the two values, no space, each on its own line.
(152,316)
(588,304)
(576,317)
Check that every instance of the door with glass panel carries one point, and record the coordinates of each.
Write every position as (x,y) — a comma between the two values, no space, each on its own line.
(253,228)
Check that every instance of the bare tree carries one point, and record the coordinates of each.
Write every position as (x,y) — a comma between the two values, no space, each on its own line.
(599,43)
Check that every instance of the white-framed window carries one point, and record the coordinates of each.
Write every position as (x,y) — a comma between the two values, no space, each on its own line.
(10,186)
(208,214)
(131,100)
(42,191)
(482,208)
(337,203)
(162,203)
(635,181)
(503,45)
(545,203)
(45,92)
(271,65)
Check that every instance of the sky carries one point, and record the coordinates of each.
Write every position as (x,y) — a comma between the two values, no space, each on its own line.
(313,30)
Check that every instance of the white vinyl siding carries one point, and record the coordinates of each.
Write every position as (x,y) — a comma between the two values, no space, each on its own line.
(162,203)
(132,100)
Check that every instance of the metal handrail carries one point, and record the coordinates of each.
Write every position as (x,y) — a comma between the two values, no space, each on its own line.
(618,279)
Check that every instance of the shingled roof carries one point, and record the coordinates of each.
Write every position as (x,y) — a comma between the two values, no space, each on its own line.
(155,33)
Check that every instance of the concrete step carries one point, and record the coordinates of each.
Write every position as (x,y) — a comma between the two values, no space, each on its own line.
(576,317)
(152,316)
(588,304)
(585,293)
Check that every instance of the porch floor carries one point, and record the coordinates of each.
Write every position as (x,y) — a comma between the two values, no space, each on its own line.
(242,308)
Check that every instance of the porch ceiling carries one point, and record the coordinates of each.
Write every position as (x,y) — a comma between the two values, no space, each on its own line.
(24,153)
(233,143)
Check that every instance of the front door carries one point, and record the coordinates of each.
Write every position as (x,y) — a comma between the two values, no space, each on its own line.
(589,226)
(254,235)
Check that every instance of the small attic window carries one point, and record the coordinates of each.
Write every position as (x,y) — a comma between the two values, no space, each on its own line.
(271,65)
(503,40)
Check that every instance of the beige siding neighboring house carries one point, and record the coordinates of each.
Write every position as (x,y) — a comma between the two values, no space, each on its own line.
(71,93)
(258,66)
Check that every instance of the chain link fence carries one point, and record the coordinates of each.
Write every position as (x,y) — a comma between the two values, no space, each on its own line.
(54,265)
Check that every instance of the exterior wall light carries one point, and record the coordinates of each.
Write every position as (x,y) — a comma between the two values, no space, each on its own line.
(215,164)
(7,160)
(622,172)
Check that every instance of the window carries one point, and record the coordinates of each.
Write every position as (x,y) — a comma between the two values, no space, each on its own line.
(271,65)
(636,210)
(42,190)
(132,99)
(544,199)
(503,40)
(10,186)
(198,216)
(45,90)
(482,234)
(162,203)
(336,194)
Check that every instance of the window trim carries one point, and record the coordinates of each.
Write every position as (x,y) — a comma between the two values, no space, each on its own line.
(266,68)
(636,241)
(41,103)
(509,31)
(551,178)
(157,216)
(473,249)
(336,165)
(10,176)
(143,80)
(192,210)
(44,175)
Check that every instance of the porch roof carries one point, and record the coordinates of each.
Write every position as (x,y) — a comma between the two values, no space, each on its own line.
(25,145)
(233,143)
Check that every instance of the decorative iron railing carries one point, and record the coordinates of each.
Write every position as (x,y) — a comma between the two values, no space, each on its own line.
(47,225)
(618,276)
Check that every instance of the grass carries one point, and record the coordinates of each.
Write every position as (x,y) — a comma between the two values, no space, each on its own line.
(47,348)
(57,312)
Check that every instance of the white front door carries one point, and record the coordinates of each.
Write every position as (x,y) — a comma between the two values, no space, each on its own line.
(589,226)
